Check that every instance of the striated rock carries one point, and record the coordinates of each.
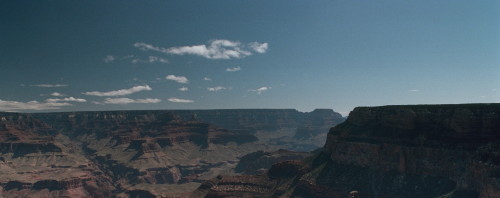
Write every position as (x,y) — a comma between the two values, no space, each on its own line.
(115,153)
(161,175)
(267,119)
(59,185)
(21,148)
(235,186)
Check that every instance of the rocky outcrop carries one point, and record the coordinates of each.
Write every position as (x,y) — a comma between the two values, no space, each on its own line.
(317,122)
(236,186)
(21,148)
(161,175)
(21,134)
(438,149)
(261,161)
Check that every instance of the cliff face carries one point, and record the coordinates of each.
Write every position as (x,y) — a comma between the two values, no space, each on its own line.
(36,161)
(453,145)
(399,151)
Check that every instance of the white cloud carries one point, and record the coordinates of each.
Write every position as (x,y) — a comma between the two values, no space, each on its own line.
(148,47)
(233,69)
(216,49)
(179,79)
(32,105)
(414,90)
(259,47)
(120,92)
(260,90)
(57,94)
(178,100)
(151,59)
(216,89)
(109,58)
(68,99)
(207,79)
(129,101)
(49,85)
(183,89)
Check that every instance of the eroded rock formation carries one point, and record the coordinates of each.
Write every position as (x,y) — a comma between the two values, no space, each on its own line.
(135,153)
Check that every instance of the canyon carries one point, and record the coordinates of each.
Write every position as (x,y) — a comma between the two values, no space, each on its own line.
(443,151)
(165,153)
(403,151)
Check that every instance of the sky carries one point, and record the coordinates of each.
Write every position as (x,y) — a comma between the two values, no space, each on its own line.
(68,55)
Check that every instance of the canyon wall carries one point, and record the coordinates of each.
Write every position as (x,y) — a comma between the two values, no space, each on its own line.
(433,149)
(415,151)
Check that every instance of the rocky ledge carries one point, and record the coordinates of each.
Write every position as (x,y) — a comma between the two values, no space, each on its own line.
(261,161)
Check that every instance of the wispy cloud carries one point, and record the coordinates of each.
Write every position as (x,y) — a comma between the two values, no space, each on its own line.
(215,49)
(183,89)
(259,47)
(68,99)
(216,89)
(135,59)
(32,105)
(207,79)
(233,69)
(414,90)
(123,101)
(179,79)
(178,100)
(260,90)
(121,92)
(49,85)
(149,47)
(57,94)
(109,58)
(151,59)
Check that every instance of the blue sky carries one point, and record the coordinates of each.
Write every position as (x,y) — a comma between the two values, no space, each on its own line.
(65,55)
